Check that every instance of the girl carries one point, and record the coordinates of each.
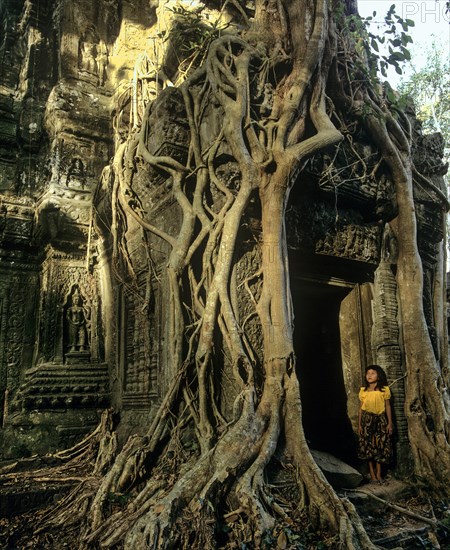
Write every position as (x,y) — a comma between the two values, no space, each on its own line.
(375,421)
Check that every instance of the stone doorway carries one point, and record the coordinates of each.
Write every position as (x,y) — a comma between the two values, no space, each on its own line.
(328,383)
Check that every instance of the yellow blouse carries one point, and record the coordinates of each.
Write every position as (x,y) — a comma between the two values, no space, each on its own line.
(374,401)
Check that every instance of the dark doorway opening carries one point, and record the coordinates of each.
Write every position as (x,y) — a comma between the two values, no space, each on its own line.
(317,345)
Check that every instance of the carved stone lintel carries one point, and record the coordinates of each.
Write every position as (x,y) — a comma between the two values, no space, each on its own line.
(316,227)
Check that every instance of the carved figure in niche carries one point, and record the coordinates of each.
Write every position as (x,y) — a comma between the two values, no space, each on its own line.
(78,324)
(88,52)
(389,248)
(102,62)
(75,174)
(88,57)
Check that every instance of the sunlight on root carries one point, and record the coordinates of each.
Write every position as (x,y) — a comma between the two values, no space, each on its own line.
(352,534)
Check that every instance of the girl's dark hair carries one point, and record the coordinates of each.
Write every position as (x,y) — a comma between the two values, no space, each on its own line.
(382,378)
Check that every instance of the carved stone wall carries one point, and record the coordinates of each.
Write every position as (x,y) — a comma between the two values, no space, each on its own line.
(54,140)
(19,291)
(141,353)
(61,276)
(17,322)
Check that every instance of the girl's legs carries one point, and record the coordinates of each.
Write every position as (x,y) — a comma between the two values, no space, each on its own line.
(375,470)
(378,471)
(373,473)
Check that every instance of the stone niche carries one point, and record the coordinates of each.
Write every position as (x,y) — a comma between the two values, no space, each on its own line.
(59,396)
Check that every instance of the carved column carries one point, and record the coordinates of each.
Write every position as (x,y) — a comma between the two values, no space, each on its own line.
(18,296)
(386,342)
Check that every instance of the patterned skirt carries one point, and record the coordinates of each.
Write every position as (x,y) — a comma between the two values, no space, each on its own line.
(375,443)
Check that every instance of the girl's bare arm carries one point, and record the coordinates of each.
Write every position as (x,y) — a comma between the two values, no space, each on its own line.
(389,415)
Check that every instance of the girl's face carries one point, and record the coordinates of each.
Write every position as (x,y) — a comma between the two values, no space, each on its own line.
(371,376)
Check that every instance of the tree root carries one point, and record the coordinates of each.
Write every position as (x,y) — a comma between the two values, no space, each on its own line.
(114,528)
(83,463)
(124,464)
(188,510)
(352,535)
(70,464)
(72,509)
(324,505)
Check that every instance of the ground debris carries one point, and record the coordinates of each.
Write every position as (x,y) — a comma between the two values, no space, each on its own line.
(381,508)
(387,528)
(402,521)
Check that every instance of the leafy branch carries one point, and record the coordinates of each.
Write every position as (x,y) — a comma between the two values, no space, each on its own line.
(380,51)
(395,37)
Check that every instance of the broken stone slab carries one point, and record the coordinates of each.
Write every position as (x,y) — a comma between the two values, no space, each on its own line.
(339,474)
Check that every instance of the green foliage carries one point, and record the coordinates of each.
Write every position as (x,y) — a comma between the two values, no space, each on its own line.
(118,498)
(394,37)
(193,33)
(375,53)
(429,87)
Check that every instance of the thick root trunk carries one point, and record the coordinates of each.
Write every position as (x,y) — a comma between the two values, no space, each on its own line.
(229,477)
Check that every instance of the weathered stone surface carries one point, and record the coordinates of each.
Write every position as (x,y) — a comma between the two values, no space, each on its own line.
(339,474)
(50,386)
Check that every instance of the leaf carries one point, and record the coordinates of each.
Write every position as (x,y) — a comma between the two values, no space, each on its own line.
(390,94)
(396,56)
(374,45)
(398,70)
(410,22)
(282,541)
(406,53)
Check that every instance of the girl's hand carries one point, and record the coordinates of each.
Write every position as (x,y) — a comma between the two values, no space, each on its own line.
(390,429)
